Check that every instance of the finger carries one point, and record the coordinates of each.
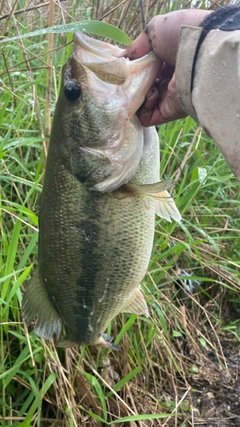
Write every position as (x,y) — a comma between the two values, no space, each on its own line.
(160,87)
(166,71)
(161,108)
(162,34)
(164,79)
(159,116)
(152,117)
(151,100)
(138,47)
(149,113)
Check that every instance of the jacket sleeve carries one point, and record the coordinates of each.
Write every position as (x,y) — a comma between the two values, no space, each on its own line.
(208,86)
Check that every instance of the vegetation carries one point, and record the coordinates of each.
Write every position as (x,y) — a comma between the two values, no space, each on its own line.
(181,366)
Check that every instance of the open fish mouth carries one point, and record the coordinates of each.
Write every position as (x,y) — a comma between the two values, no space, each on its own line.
(91,53)
(104,60)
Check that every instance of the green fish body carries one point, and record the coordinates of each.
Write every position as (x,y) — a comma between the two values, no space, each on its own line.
(96,220)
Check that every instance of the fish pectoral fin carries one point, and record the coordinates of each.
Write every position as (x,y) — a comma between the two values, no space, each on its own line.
(150,189)
(36,304)
(164,204)
(166,208)
(137,304)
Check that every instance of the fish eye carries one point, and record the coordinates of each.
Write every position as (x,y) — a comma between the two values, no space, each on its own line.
(72,91)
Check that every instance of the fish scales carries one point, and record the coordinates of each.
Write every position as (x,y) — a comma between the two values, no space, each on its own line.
(94,242)
(105,243)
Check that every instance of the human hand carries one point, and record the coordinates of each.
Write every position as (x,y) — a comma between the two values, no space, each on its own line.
(161,35)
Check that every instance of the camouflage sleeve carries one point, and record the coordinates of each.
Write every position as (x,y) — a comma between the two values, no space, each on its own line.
(208,79)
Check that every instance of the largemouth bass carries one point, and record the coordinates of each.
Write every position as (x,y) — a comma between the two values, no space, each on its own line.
(100,195)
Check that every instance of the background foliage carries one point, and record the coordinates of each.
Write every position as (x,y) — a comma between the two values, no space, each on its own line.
(178,368)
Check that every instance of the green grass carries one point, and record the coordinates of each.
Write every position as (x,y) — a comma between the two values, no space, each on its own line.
(167,363)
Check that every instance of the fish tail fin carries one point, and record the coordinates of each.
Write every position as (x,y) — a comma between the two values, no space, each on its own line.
(36,304)
(164,204)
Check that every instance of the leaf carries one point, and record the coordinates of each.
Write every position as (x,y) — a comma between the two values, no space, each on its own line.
(125,380)
(47,384)
(18,283)
(94,416)
(24,356)
(11,257)
(94,27)
(202,342)
(141,418)
(125,328)
(98,389)
(128,418)
(202,174)
(161,318)
(25,423)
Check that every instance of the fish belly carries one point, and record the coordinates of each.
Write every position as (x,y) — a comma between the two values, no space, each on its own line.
(94,250)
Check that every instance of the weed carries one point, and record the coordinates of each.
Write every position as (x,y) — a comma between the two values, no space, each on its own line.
(180,366)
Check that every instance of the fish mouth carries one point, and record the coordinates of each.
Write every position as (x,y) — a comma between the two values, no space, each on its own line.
(92,54)
(105,61)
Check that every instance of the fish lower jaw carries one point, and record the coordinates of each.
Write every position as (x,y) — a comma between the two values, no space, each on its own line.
(102,341)
(105,341)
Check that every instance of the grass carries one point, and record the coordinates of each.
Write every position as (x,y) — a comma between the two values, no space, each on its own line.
(180,366)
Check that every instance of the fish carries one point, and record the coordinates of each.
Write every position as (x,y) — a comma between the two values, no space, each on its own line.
(100,194)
